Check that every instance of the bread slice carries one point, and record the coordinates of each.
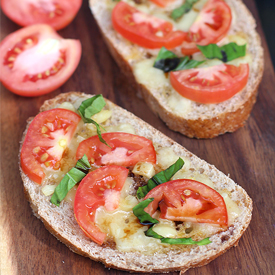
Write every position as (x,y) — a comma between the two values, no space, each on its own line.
(60,221)
(199,120)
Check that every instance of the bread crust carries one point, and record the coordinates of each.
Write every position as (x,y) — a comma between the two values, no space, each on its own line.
(214,120)
(61,223)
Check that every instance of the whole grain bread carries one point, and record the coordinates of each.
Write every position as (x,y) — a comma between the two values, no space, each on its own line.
(60,221)
(203,120)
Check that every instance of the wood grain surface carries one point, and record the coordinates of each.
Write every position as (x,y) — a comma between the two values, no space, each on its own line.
(247,156)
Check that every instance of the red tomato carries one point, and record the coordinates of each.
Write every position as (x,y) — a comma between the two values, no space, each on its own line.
(210,85)
(46,140)
(211,25)
(35,60)
(56,13)
(143,29)
(100,187)
(126,149)
(162,3)
(188,200)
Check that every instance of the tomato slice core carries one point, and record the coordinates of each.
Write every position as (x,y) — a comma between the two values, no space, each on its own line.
(100,187)
(126,149)
(210,85)
(47,138)
(211,25)
(144,29)
(188,200)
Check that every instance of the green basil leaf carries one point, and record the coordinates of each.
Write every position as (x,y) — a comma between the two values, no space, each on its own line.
(186,7)
(74,176)
(160,178)
(83,164)
(144,218)
(186,63)
(90,107)
(167,61)
(187,241)
(224,53)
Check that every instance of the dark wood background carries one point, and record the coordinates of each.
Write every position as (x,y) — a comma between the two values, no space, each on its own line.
(247,155)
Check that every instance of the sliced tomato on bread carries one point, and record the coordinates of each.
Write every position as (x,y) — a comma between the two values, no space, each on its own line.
(143,29)
(211,84)
(47,138)
(99,188)
(211,25)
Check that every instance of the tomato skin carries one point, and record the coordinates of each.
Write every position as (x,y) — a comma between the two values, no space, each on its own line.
(211,25)
(188,200)
(162,3)
(44,135)
(56,13)
(145,30)
(40,61)
(100,187)
(126,149)
(221,82)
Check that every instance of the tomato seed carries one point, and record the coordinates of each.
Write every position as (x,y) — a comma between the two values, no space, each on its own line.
(36,150)
(44,130)
(187,192)
(44,157)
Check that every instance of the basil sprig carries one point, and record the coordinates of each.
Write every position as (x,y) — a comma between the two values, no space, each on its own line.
(187,241)
(75,175)
(144,218)
(168,61)
(160,178)
(186,7)
(224,53)
(90,107)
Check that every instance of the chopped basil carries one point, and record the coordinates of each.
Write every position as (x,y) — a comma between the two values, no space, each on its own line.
(75,175)
(187,241)
(225,53)
(90,107)
(186,7)
(160,178)
(168,61)
(144,218)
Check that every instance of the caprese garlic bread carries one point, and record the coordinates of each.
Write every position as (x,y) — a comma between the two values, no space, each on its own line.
(197,63)
(114,189)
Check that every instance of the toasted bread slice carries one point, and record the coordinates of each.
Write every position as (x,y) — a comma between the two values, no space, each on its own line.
(185,116)
(60,221)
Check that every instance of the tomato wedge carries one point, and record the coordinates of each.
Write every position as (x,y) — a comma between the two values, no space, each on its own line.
(210,85)
(143,29)
(100,187)
(188,200)
(35,60)
(56,13)
(126,149)
(211,25)
(47,138)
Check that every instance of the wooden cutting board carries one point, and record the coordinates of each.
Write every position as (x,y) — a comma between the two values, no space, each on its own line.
(247,156)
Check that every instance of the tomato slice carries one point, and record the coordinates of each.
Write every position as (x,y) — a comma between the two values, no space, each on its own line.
(211,25)
(162,3)
(210,85)
(144,29)
(126,149)
(56,13)
(188,200)
(35,60)
(47,138)
(100,187)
